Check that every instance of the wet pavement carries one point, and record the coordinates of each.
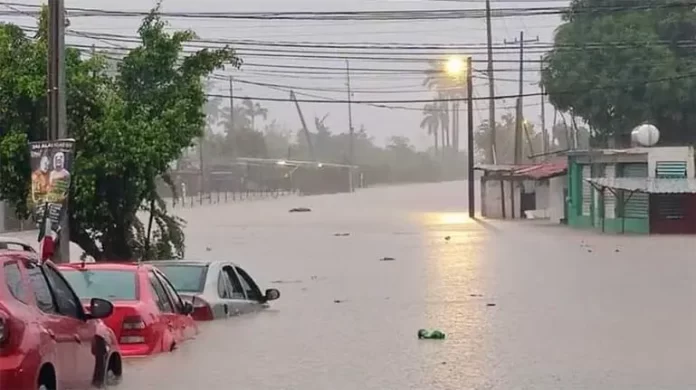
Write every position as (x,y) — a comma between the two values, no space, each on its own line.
(573,310)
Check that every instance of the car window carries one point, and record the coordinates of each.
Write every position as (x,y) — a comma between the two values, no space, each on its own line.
(185,278)
(106,284)
(173,295)
(68,303)
(42,293)
(223,286)
(14,282)
(159,294)
(237,288)
(252,291)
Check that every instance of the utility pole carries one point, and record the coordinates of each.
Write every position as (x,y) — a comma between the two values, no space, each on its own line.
(470,135)
(57,124)
(231,104)
(351,131)
(544,131)
(491,158)
(519,111)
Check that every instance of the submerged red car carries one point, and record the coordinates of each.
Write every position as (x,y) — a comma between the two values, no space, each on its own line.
(47,339)
(149,315)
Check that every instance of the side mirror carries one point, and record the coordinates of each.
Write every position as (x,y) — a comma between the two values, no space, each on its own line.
(272,294)
(188,308)
(100,308)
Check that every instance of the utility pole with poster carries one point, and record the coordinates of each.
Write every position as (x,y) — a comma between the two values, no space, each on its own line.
(51,162)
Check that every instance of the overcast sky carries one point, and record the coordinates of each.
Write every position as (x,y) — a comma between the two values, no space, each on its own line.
(380,122)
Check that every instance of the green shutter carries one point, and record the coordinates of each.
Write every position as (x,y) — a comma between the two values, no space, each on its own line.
(638,204)
(671,169)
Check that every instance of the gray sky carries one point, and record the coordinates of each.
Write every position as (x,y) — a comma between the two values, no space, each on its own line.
(381,123)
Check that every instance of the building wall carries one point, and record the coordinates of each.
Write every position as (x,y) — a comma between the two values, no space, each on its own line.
(556,201)
(491,205)
(673,153)
(591,219)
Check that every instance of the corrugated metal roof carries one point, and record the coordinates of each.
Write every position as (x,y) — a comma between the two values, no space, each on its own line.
(648,185)
(544,170)
(534,172)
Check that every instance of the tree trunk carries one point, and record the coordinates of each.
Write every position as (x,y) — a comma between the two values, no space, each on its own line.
(433,130)
(455,126)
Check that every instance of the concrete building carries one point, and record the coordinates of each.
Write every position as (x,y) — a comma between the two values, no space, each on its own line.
(637,190)
(524,191)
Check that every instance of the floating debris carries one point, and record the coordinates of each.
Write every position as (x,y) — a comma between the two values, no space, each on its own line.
(341,234)
(490,304)
(448,238)
(476,295)
(617,250)
(208,249)
(430,335)
(286,281)
(387,259)
(300,210)
(338,301)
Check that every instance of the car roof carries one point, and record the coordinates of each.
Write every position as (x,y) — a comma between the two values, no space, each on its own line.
(16,241)
(107,266)
(186,262)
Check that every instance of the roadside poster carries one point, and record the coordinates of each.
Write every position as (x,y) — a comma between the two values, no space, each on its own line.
(51,162)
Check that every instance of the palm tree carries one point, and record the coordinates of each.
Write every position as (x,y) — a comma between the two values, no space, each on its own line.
(444,109)
(252,110)
(447,87)
(431,122)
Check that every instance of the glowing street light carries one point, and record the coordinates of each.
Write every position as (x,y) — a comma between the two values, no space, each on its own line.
(455,66)
(281,162)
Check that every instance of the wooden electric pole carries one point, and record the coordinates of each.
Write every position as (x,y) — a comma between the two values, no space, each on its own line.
(544,131)
(519,115)
(491,157)
(351,131)
(57,124)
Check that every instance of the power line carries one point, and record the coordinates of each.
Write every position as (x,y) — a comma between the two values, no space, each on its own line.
(568,92)
(370,15)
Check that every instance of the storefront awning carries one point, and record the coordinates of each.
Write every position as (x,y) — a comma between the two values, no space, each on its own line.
(649,185)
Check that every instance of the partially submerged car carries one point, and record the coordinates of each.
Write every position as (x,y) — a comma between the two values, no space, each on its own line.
(47,339)
(216,289)
(149,315)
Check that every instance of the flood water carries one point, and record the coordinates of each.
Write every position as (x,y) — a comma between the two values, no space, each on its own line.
(572,310)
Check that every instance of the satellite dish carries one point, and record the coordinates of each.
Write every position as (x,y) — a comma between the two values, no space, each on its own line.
(645,135)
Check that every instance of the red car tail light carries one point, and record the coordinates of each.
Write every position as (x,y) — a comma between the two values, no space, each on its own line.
(201,310)
(132,330)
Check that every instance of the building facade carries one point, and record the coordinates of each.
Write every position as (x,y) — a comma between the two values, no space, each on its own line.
(638,190)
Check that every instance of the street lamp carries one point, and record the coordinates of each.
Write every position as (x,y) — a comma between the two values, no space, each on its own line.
(455,67)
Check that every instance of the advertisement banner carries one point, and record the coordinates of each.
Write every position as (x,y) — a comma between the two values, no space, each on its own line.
(51,162)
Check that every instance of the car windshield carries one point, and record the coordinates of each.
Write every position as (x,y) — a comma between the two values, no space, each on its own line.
(105,284)
(185,278)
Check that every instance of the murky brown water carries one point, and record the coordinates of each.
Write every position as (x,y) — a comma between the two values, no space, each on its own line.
(565,318)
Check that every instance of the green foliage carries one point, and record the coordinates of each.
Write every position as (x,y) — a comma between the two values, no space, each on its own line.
(603,63)
(127,127)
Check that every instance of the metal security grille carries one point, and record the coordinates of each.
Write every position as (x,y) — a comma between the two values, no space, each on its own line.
(586,190)
(671,169)
(609,197)
(669,206)
(638,205)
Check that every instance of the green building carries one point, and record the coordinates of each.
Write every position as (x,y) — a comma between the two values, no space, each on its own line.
(638,190)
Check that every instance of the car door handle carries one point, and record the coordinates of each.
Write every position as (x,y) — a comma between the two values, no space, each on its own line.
(77,339)
(51,334)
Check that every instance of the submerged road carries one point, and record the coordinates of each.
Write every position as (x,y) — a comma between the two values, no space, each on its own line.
(573,310)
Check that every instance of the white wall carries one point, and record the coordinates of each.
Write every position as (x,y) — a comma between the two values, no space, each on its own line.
(541,194)
(671,153)
(491,206)
(556,200)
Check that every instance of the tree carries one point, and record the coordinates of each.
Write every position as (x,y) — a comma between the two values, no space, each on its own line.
(616,70)
(127,128)
(431,122)
(505,140)
(253,110)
